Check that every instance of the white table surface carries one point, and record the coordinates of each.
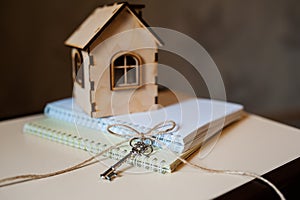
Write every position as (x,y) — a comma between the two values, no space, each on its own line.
(253,144)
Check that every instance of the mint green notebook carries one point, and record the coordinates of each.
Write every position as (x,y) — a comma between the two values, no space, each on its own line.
(95,141)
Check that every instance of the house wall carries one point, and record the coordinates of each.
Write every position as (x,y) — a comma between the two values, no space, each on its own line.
(119,36)
(82,94)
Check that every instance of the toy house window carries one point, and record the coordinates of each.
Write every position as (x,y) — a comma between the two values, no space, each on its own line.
(78,68)
(125,71)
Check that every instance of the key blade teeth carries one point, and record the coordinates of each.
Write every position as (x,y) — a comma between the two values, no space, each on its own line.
(109,174)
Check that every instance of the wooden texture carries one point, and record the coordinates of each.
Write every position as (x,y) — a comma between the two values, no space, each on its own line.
(82,94)
(89,28)
(118,31)
(93,26)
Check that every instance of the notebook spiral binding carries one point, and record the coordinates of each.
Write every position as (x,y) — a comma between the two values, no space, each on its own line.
(150,163)
(80,118)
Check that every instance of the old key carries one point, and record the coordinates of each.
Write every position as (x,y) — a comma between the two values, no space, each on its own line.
(140,146)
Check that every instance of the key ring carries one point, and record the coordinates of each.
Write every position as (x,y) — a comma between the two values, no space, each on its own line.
(142,145)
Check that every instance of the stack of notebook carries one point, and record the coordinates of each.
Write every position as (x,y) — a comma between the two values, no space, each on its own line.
(197,120)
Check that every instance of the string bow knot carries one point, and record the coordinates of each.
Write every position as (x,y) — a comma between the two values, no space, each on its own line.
(147,137)
(141,143)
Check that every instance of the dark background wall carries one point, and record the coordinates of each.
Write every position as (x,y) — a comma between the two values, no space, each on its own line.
(255,44)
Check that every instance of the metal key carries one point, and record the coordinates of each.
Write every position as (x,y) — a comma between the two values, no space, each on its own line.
(140,146)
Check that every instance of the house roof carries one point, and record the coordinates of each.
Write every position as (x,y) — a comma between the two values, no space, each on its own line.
(96,23)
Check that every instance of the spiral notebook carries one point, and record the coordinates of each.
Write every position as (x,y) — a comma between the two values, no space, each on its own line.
(197,120)
(95,141)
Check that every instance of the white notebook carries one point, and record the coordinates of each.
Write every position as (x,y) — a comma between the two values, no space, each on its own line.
(197,119)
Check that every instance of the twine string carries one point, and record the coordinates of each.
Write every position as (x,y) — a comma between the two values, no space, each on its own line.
(228,172)
(161,128)
(172,125)
(29,177)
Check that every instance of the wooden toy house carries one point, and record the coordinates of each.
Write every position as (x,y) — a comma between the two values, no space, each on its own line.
(114,61)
